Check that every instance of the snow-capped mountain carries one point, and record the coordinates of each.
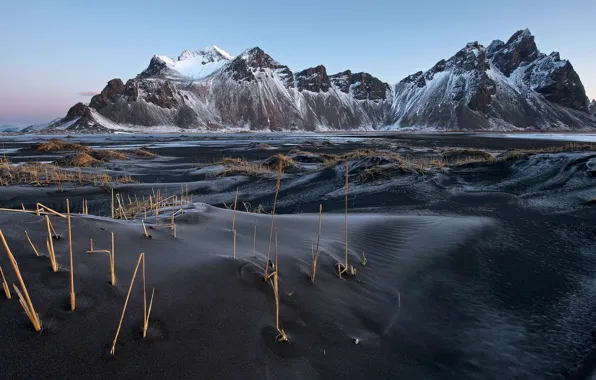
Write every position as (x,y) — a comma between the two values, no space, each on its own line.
(503,86)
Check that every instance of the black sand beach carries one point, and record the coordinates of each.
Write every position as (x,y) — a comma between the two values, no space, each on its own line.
(475,268)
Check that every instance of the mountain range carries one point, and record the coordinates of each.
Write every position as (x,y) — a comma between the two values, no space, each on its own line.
(503,86)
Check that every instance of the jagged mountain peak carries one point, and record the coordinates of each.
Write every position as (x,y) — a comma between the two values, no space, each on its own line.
(592,107)
(257,58)
(208,54)
(520,49)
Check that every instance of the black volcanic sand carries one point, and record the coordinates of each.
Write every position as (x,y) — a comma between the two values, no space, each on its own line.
(485,271)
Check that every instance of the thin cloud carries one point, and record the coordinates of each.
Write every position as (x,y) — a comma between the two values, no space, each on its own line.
(88,93)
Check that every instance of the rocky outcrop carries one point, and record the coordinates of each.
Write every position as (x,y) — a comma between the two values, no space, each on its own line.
(314,79)
(111,92)
(252,62)
(361,86)
(557,81)
(519,49)
(592,107)
(78,110)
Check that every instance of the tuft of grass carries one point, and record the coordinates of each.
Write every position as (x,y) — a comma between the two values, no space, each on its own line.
(234,166)
(57,145)
(79,160)
(466,155)
(516,154)
(109,154)
(143,152)
(273,162)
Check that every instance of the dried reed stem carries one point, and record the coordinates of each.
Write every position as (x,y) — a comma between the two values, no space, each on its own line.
(5,285)
(112,269)
(315,253)
(277,185)
(234,219)
(144,297)
(144,229)
(51,246)
(17,210)
(346,215)
(32,245)
(132,281)
(254,241)
(122,213)
(234,233)
(72,289)
(146,323)
(51,211)
(24,301)
(90,245)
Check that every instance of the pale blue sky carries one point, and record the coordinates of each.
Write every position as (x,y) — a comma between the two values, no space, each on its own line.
(51,51)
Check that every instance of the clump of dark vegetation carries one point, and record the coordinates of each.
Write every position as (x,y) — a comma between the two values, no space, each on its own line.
(109,154)
(40,174)
(460,157)
(79,160)
(524,153)
(144,152)
(234,166)
(273,162)
(57,145)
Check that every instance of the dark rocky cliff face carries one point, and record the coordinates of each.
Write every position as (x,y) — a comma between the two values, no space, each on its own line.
(363,86)
(314,79)
(592,107)
(111,92)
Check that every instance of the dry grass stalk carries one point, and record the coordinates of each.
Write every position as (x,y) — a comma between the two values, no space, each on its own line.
(234,219)
(277,186)
(72,289)
(346,214)
(55,235)
(254,241)
(24,298)
(17,210)
(282,335)
(146,322)
(5,285)
(234,233)
(39,205)
(315,253)
(112,268)
(120,208)
(145,234)
(32,245)
(51,246)
(112,208)
(144,297)
(132,281)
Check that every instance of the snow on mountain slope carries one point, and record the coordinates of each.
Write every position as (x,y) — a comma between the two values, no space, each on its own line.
(506,86)
(198,64)
(503,87)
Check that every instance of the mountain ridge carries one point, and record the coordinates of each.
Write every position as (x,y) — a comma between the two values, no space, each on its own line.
(504,86)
